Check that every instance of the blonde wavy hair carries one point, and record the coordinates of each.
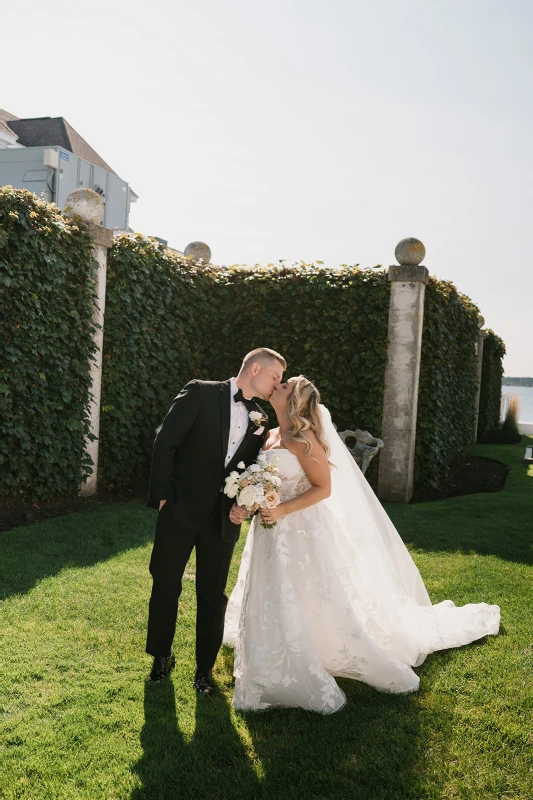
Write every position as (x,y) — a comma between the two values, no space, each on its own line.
(304,414)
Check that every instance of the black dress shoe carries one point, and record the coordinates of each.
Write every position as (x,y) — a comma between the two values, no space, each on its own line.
(161,668)
(203,682)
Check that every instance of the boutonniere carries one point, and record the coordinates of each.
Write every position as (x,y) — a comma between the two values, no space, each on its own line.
(258,420)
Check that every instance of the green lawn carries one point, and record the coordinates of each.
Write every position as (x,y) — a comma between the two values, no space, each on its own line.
(79,722)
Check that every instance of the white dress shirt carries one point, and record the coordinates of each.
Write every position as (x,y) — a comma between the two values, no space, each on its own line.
(239,421)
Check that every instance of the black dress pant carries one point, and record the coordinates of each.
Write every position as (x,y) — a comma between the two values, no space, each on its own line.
(172,547)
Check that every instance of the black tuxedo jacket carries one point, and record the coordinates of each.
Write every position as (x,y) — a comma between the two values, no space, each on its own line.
(189,451)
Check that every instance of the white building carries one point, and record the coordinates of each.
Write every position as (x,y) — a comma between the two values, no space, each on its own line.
(48,157)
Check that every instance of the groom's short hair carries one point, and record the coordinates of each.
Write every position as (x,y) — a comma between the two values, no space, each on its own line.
(260,355)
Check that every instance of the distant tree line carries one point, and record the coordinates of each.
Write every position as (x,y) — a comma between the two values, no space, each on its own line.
(517,381)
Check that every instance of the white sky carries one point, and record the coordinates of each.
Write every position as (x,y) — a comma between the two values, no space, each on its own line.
(306,129)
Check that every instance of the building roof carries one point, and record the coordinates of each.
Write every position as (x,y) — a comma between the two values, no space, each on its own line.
(5,127)
(52,132)
(5,116)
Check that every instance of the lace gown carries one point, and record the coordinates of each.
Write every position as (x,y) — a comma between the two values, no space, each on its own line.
(302,612)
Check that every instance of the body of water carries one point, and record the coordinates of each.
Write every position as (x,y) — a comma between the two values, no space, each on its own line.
(525,393)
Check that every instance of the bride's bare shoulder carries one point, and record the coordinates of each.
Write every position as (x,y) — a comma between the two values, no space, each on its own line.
(300,448)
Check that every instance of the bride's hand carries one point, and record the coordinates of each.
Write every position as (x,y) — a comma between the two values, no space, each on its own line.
(270,515)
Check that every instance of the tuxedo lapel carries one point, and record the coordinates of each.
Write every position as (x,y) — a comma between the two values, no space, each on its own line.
(225,412)
(261,410)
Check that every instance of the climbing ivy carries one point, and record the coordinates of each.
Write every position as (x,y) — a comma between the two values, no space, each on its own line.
(47,279)
(491,384)
(156,314)
(448,382)
(169,320)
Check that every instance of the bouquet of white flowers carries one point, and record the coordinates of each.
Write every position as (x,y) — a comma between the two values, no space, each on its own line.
(256,487)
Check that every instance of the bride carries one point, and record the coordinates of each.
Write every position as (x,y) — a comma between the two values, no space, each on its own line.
(331,590)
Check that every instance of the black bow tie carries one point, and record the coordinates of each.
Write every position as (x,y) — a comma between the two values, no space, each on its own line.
(239,398)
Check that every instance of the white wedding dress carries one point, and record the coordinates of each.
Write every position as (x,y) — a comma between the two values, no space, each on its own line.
(332,591)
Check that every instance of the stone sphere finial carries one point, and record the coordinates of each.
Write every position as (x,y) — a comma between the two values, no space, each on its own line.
(85,203)
(480,320)
(199,250)
(410,252)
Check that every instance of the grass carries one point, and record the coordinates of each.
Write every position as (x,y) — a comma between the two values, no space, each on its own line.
(80,723)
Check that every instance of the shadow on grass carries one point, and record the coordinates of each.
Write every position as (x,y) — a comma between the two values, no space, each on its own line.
(212,764)
(460,533)
(82,539)
(372,748)
(379,746)
(496,524)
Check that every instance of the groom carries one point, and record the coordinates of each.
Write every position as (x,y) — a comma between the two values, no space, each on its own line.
(208,430)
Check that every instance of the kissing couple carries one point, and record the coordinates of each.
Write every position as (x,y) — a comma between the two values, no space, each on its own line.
(329,591)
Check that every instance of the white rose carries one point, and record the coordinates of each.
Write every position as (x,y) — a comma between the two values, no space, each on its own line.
(231,491)
(250,495)
(255,416)
(233,475)
(261,458)
(255,468)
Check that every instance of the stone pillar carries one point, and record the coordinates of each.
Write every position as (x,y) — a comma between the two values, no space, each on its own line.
(88,205)
(479,354)
(400,402)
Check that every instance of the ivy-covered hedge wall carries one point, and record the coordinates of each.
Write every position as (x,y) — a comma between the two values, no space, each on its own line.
(168,321)
(330,325)
(447,388)
(156,315)
(491,383)
(47,282)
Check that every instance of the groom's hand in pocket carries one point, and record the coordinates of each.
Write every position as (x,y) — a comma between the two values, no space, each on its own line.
(238,514)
